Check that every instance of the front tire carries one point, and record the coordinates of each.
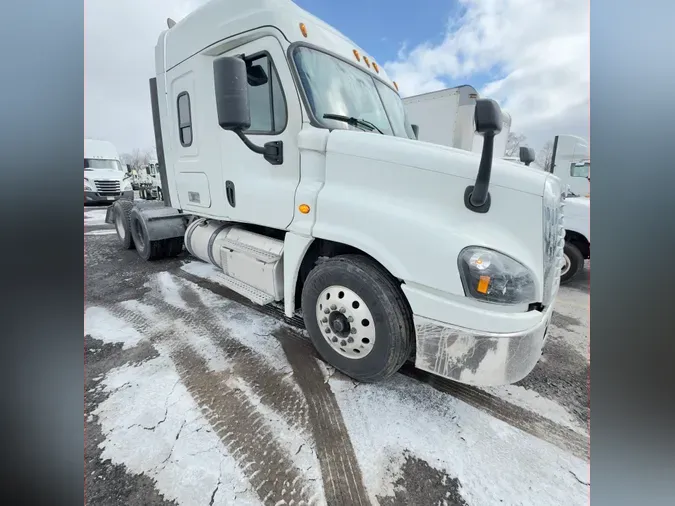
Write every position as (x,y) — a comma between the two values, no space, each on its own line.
(357,317)
(573,262)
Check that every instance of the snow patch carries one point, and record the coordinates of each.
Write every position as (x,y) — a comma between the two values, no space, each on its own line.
(101,324)
(532,401)
(179,449)
(494,462)
(101,232)
(95,217)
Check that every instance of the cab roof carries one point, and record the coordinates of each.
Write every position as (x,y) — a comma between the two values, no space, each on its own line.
(219,20)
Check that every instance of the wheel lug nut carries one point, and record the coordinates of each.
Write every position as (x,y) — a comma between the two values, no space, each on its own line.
(335,339)
(324,320)
(350,319)
(350,340)
(333,307)
(343,343)
(353,330)
(327,330)
(343,310)
(326,310)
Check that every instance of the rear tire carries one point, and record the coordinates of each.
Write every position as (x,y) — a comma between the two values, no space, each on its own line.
(122,221)
(365,305)
(152,250)
(574,262)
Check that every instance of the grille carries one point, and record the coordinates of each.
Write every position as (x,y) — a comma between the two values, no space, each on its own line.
(107,187)
(554,239)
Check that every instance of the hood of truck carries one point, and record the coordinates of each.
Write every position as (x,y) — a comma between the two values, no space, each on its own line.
(104,175)
(433,157)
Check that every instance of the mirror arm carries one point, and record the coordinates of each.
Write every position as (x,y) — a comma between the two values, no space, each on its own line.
(272,151)
(477,197)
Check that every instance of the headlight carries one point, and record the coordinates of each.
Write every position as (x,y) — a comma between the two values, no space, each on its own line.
(126,185)
(490,276)
(87,187)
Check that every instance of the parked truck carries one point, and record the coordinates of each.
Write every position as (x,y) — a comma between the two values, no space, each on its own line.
(288,162)
(446,117)
(571,162)
(105,177)
(149,183)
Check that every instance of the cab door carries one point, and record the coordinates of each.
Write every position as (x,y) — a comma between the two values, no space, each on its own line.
(255,190)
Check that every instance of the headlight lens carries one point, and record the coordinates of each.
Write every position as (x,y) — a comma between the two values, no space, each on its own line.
(490,276)
(87,187)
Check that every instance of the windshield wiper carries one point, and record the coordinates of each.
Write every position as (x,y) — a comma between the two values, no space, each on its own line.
(362,123)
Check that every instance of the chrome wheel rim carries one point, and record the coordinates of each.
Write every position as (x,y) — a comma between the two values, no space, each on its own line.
(346,322)
(566,265)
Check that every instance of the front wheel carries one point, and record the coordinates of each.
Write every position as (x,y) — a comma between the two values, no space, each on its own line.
(357,317)
(573,262)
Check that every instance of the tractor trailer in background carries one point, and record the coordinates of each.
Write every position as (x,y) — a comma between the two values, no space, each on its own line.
(446,117)
(571,162)
(288,163)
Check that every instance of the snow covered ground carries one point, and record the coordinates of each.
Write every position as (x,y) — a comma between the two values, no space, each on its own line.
(197,399)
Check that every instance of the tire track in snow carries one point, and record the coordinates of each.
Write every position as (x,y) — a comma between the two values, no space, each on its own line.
(229,410)
(343,482)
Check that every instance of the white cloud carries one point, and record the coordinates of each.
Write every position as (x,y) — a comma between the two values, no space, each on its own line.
(538,48)
(119,47)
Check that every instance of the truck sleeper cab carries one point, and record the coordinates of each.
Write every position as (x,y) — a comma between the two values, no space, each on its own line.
(288,163)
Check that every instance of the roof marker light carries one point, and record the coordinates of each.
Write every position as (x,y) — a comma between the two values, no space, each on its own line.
(365,59)
(395,85)
(376,67)
(303,29)
(357,55)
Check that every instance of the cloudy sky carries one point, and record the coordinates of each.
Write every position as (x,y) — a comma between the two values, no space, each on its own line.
(532,56)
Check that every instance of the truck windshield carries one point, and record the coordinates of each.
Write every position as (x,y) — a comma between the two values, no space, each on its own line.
(335,87)
(101,164)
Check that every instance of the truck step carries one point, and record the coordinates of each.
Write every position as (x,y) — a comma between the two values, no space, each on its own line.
(263,256)
(248,291)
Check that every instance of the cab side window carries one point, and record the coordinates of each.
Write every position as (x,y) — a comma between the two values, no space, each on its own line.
(184,119)
(266,98)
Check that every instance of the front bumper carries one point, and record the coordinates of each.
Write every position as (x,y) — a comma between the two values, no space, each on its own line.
(478,358)
(96,197)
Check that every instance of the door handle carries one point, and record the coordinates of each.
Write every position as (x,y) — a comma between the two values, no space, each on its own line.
(229,191)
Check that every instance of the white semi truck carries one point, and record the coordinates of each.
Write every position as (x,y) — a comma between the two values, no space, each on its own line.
(446,117)
(105,177)
(571,162)
(288,162)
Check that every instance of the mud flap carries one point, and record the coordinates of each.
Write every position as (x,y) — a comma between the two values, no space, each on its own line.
(164,222)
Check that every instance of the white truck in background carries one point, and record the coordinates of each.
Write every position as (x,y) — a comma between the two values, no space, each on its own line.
(446,117)
(289,164)
(105,177)
(571,162)
(149,181)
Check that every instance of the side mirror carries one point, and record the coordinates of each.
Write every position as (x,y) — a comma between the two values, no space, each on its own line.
(488,120)
(231,79)
(416,131)
(526,155)
(231,84)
